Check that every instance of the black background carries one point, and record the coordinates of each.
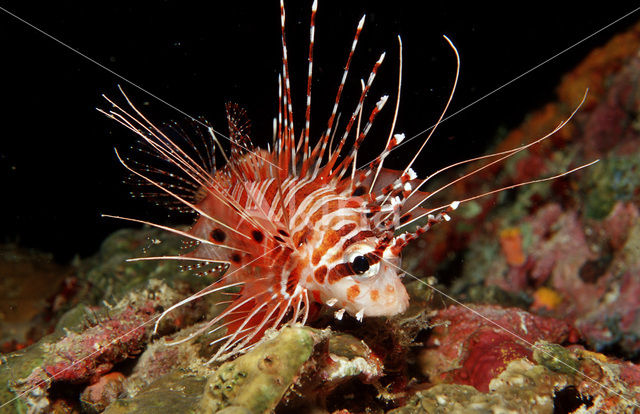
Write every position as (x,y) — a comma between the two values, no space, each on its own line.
(58,168)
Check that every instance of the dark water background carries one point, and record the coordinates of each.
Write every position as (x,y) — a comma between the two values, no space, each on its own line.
(58,168)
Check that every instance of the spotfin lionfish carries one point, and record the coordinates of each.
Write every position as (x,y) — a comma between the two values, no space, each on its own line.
(298,224)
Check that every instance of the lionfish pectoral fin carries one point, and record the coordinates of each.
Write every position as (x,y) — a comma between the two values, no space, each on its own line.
(248,318)
(239,128)
(411,206)
(385,178)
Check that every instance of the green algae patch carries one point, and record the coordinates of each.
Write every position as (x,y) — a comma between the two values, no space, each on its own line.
(23,383)
(176,392)
(13,369)
(556,358)
(613,179)
(521,387)
(257,381)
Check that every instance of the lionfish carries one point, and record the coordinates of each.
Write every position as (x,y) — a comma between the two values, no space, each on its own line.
(298,225)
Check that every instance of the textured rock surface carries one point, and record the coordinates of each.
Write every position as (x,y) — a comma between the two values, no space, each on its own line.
(566,248)
(28,307)
(466,348)
(176,392)
(525,386)
(258,380)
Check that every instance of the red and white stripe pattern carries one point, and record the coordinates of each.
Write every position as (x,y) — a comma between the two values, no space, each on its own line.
(297,226)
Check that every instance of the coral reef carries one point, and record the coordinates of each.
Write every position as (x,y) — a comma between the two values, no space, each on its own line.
(258,380)
(526,386)
(542,313)
(473,345)
(565,248)
(89,355)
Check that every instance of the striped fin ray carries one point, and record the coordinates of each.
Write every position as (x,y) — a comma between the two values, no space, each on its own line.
(325,170)
(169,150)
(321,145)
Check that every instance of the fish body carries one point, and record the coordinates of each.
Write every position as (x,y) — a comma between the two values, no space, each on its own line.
(293,241)
(318,243)
(299,224)
(296,225)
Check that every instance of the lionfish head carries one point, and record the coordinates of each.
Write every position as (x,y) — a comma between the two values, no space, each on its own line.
(373,287)
(352,261)
(355,252)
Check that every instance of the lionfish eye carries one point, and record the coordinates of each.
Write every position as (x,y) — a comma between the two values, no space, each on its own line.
(360,264)
(363,267)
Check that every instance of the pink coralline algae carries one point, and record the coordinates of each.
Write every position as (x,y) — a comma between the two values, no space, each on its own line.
(569,248)
(86,355)
(466,348)
(96,397)
(82,357)
(591,267)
